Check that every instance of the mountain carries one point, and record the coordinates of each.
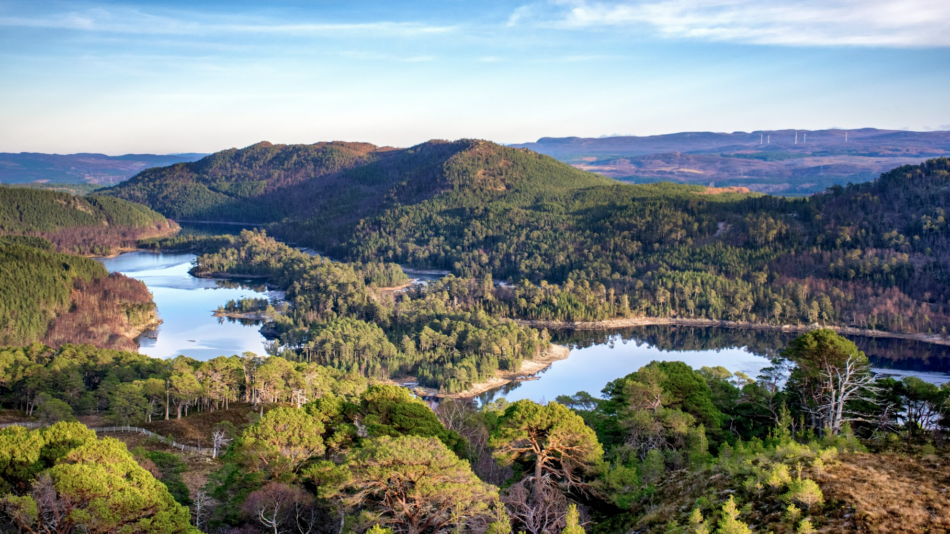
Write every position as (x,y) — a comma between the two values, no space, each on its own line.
(32,167)
(787,162)
(85,225)
(871,256)
(337,184)
(50,294)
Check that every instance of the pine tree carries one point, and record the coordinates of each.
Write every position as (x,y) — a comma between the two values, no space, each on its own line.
(501,523)
(697,522)
(806,527)
(573,522)
(730,524)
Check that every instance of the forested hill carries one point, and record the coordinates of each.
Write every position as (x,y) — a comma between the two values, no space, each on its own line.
(871,256)
(62,298)
(83,225)
(339,183)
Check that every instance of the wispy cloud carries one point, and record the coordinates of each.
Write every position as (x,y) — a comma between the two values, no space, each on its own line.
(136,21)
(879,23)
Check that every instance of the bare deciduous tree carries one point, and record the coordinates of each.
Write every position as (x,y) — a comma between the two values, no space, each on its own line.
(545,514)
(283,509)
(219,439)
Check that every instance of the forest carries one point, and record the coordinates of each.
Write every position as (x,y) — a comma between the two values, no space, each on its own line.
(342,316)
(63,298)
(870,256)
(320,437)
(93,225)
(666,449)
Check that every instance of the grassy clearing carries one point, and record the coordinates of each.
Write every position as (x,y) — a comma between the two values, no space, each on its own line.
(197,427)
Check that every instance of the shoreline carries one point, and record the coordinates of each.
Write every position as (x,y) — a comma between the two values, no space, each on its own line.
(630,322)
(254,316)
(528,369)
(194,272)
(117,251)
(395,289)
(138,331)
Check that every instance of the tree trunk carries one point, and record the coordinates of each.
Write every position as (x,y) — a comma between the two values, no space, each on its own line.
(539,463)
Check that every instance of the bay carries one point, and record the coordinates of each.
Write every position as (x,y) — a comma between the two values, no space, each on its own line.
(186,307)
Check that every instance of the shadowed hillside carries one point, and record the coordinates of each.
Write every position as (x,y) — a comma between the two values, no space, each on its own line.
(82,225)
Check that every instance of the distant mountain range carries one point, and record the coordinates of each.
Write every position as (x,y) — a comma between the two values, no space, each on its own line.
(776,161)
(783,162)
(98,169)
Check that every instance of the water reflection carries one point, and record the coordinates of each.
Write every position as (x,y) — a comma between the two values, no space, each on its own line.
(186,306)
(599,357)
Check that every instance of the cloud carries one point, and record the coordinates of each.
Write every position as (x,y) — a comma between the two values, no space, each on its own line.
(520,13)
(877,23)
(135,21)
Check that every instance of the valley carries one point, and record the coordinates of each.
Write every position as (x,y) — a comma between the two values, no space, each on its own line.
(478,293)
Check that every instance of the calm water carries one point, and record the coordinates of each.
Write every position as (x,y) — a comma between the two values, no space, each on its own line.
(597,358)
(186,306)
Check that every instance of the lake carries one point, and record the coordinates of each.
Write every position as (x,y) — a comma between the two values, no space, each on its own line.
(599,357)
(186,307)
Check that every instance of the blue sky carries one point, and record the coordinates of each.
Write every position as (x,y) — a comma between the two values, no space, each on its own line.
(199,76)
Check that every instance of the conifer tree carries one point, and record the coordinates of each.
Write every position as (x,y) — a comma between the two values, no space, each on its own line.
(729,522)
(573,521)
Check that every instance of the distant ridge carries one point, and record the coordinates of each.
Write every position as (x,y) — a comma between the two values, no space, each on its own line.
(770,161)
(81,168)
(871,141)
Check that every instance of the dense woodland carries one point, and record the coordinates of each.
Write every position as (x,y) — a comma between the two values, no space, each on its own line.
(341,315)
(871,256)
(665,449)
(62,298)
(95,225)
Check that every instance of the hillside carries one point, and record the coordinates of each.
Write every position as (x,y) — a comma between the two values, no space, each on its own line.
(61,298)
(32,167)
(328,187)
(83,225)
(665,449)
(845,258)
(774,162)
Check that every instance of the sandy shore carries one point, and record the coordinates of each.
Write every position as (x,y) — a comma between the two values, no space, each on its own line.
(528,368)
(169,231)
(613,324)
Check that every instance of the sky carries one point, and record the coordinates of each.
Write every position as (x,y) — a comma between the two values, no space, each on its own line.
(201,76)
